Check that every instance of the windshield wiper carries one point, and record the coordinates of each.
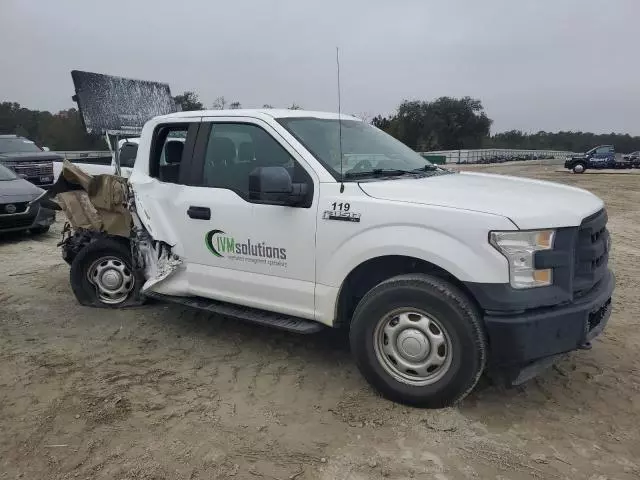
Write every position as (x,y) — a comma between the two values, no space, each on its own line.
(380,172)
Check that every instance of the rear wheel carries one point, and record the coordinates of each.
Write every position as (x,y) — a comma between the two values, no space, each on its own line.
(419,340)
(579,168)
(102,275)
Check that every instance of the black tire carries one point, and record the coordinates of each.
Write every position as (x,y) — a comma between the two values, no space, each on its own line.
(579,168)
(85,291)
(39,230)
(457,315)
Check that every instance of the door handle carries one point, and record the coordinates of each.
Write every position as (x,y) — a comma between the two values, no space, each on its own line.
(199,213)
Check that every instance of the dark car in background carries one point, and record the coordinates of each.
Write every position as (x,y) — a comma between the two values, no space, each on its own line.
(20,207)
(25,158)
(634,158)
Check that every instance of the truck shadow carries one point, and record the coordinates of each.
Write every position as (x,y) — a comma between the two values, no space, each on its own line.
(580,388)
(558,390)
(326,345)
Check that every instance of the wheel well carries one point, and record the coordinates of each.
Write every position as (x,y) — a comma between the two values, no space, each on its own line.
(370,273)
(80,238)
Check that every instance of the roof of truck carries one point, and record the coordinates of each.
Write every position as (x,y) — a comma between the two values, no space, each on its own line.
(271,112)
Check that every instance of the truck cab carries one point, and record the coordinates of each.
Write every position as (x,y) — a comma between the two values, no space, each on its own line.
(308,220)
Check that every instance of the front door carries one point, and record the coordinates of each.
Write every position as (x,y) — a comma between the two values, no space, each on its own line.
(240,251)
(603,157)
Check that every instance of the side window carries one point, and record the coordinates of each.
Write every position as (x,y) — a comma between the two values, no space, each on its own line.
(604,150)
(234,150)
(128,153)
(168,151)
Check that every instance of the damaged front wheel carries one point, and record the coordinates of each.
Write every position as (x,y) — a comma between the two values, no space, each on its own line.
(102,275)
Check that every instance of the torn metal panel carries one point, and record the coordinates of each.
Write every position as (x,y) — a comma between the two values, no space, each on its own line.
(79,210)
(156,257)
(153,200)
(159,263)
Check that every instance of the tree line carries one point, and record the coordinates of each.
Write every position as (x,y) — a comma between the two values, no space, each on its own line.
(58,131)
(445,123)
(189,101)
(568,141)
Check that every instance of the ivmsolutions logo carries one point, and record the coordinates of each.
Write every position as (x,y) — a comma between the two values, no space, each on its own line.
(223,245)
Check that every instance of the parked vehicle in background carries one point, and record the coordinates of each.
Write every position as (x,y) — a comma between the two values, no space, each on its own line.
(634,158)
(304,220)
(19,208)
(25,158)
(603,156)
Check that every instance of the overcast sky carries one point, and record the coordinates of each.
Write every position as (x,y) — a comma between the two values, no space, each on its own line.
(536,65)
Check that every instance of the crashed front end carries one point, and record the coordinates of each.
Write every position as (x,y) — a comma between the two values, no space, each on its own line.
(104,206)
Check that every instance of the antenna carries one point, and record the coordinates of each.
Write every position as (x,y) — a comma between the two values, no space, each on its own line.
(340,123)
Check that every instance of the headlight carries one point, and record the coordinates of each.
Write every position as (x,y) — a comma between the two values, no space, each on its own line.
(519,249)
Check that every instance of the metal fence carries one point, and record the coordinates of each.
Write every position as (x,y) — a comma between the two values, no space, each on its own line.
(498,155)
(93,157)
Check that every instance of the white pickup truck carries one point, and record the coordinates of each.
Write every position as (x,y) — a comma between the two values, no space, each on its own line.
(304,220)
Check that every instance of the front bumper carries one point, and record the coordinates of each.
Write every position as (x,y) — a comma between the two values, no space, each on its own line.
(36,217)
(535,336)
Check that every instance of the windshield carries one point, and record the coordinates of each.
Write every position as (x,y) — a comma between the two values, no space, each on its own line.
(366,150)
(17,145)
(6,174)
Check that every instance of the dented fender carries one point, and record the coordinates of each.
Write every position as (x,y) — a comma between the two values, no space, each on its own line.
(153,199)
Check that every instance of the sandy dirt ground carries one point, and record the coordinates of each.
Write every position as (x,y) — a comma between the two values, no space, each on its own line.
(162,392)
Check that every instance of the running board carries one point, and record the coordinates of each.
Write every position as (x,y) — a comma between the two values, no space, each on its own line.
(253,315)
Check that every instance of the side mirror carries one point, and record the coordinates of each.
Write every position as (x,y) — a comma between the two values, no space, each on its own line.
(46,149)
(273,185)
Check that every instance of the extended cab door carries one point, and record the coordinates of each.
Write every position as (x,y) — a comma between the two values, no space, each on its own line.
(162,193)
(238,250)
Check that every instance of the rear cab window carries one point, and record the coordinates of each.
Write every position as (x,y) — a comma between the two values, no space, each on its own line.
(172,151)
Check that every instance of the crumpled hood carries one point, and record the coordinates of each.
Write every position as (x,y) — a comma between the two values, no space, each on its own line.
(18,190)
(528,203)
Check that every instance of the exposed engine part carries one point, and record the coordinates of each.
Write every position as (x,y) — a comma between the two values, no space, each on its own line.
(75,240)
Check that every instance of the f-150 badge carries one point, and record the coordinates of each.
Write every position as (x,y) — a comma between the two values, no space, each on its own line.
(341,215)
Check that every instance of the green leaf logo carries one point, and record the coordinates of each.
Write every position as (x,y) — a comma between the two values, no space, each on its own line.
(208,240)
